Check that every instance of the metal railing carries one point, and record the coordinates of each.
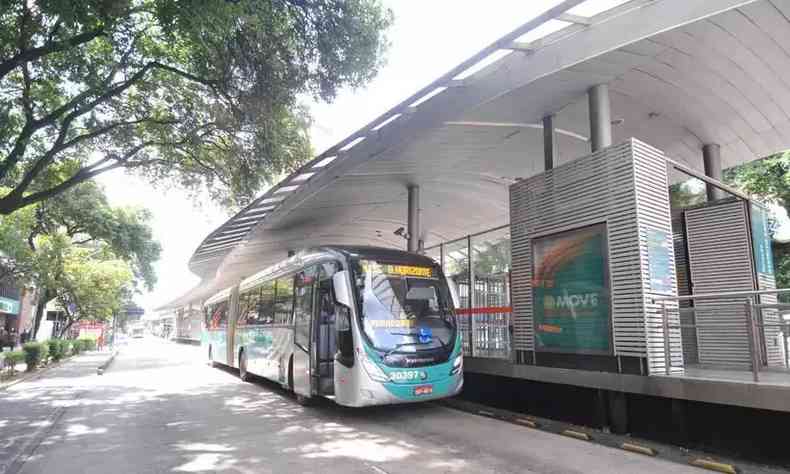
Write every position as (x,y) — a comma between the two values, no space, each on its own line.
(753,323)
(478,265)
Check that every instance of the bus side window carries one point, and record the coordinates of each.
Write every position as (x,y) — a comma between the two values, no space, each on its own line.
(222,317)
(266,304)
(283,300)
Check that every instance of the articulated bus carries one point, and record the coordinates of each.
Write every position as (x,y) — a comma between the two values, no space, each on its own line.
(359,325)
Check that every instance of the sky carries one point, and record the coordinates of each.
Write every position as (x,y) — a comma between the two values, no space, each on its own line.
(428,38)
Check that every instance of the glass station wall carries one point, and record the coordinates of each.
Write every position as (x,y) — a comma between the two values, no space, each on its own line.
(484,312)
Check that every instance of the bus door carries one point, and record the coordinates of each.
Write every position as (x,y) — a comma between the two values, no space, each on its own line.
(325,335)
(303,345)
(230,334)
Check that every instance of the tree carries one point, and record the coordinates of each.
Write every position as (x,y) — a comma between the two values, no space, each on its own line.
(80,218)
(16,259)
(769,178)
(89,287)
(199,93)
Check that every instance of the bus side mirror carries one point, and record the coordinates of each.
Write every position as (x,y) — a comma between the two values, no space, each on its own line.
(342,290)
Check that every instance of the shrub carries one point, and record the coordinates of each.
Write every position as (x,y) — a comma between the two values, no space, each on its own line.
(55,348)
(35,354)
(11,359)
(76,346)
(64,347)
(88,344)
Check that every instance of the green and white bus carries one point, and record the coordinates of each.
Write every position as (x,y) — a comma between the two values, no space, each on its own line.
(359,325)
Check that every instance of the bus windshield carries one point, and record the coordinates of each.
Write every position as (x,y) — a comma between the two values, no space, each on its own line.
(404,309)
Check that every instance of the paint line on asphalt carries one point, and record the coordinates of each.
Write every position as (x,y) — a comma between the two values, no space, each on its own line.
(376,469)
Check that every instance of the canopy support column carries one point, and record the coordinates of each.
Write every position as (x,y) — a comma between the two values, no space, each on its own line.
(600,117)
(549,143)
(413,219)
(711,158)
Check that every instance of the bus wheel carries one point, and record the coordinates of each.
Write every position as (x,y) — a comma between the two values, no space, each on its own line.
(243,374)
(302,400)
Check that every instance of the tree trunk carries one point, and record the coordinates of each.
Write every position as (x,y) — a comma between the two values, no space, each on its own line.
(65,329)
(45,296)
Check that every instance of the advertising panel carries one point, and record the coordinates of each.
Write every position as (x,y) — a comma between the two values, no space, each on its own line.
(570,291)
(761,240)
(7,305)
(659,261)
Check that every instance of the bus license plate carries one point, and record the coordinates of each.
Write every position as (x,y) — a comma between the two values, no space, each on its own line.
(423,390)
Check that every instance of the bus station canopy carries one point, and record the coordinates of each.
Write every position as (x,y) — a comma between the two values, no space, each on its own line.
(680,74)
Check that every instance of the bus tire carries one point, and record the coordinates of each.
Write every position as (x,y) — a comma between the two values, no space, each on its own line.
(243,374)
(291,374)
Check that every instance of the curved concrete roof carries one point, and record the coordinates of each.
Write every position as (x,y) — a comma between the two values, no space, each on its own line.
(680,73)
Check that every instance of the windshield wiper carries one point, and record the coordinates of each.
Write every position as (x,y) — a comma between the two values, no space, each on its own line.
(398,346)
(444,345)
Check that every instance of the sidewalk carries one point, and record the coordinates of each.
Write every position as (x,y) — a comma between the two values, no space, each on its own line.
(22,373)
(29,408)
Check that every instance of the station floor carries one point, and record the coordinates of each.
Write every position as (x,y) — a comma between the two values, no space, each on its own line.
(767,376)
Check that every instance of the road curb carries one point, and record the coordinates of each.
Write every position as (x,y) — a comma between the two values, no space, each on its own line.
(103,366)
(34,374)
(674,454)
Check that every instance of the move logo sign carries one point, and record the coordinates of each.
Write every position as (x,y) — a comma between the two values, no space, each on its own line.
(570,291)
(579,301)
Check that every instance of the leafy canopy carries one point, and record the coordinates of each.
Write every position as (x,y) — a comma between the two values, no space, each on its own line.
(196,93)
(769,178)
(81,218)
(91,288)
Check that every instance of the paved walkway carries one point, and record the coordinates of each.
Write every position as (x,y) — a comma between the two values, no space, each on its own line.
(159,408)
(30,408)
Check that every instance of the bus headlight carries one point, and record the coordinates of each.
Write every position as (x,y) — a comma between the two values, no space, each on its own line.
(458,364)
(373,370)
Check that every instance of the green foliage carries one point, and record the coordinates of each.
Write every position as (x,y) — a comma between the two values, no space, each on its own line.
(199,93)
(683,195)
(87,343)
(11,359)
(769,179)
(76,346)
(35,354)
(85,216)
(16,258)
(64,346)
(91,288)
(55,349)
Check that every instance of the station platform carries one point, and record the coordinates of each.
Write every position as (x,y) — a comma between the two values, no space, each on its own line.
(726,387)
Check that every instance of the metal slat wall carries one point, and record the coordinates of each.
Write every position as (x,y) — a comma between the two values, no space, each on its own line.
(720,260)
(773,340)
(601,187)
(654,214)
(689,334)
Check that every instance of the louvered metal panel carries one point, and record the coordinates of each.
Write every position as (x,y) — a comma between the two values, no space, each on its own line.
(720,261)
(688,334)
(654,215)
(773,340)
(602,187)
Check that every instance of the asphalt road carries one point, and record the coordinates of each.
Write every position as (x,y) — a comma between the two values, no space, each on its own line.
(160,409)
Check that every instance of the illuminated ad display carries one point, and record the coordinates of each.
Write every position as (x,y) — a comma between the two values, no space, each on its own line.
(570,292)
(761,240)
